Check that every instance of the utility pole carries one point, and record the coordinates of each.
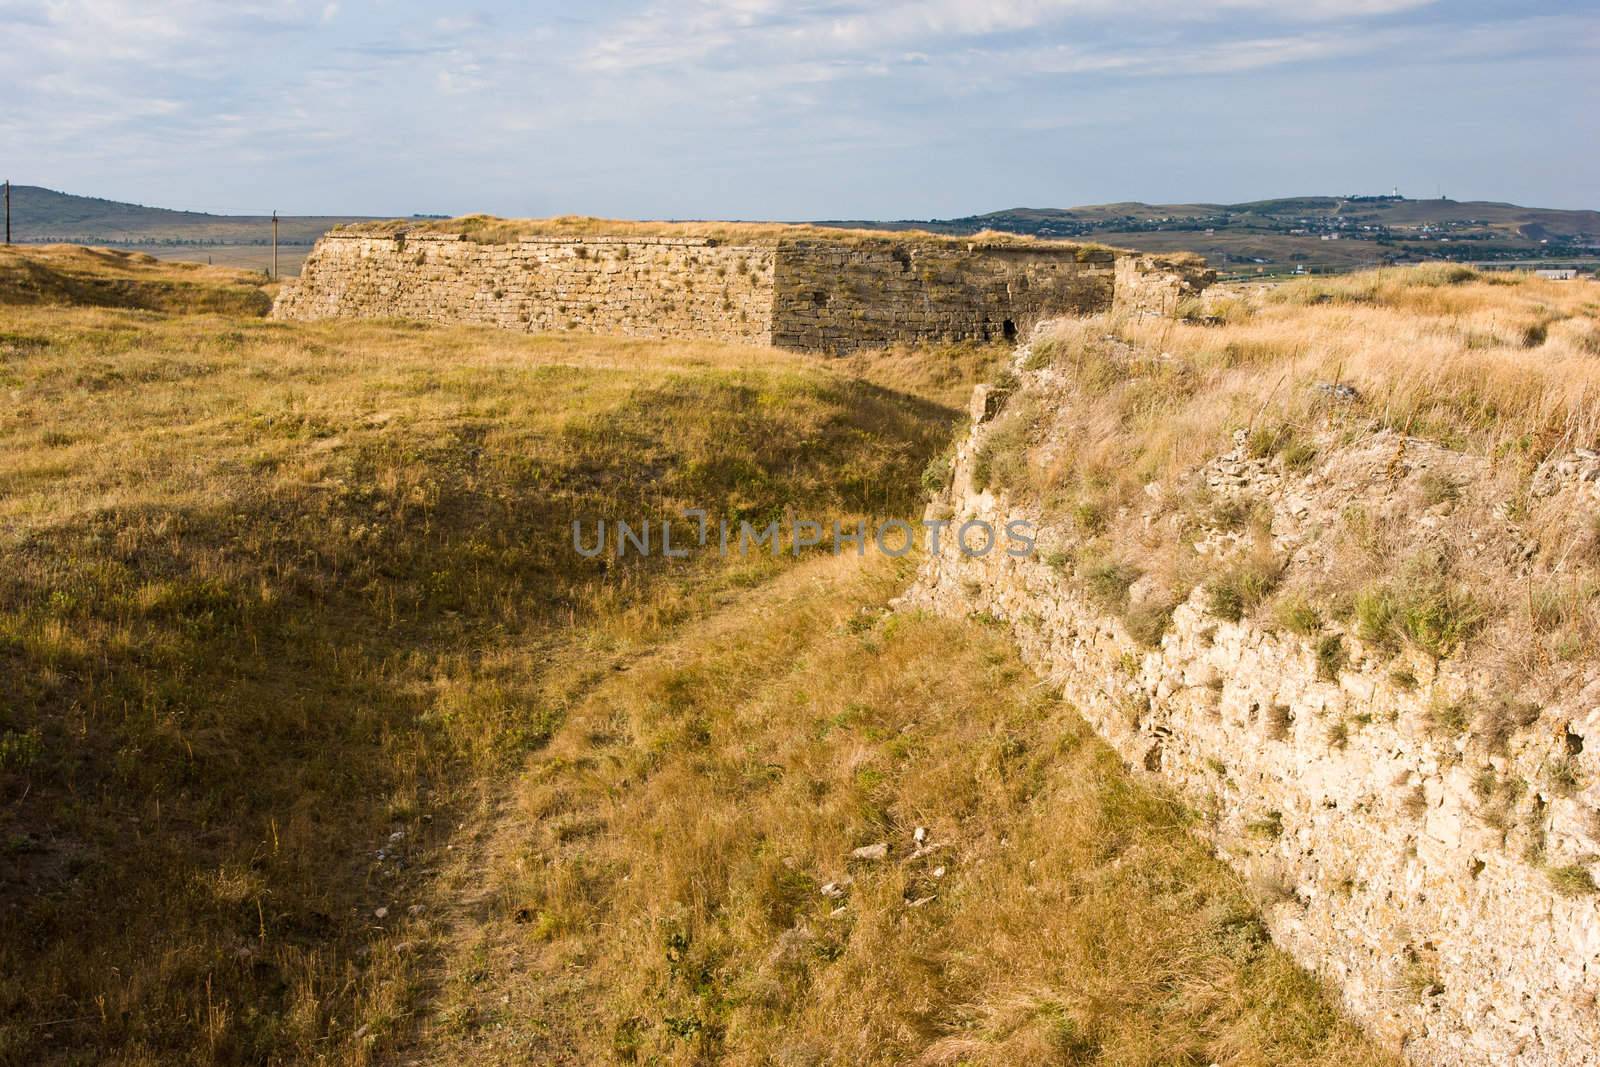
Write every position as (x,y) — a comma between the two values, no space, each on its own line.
(274,244)
(8,211)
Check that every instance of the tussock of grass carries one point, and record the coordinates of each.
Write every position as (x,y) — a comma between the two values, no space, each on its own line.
(1435,616)
(1572,881)
(1107,582)
(1298,616)
(1243,585)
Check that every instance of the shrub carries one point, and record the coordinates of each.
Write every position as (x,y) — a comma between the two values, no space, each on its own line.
(1298,455)
(936,475)
(1089,516)
(1436,488)
(1147,621)
(1331,657)
(1265,441)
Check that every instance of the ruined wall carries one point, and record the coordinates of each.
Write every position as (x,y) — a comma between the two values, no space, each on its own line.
(1157,285)
(634,286)
(833,297)
(1364,829)
(811,294)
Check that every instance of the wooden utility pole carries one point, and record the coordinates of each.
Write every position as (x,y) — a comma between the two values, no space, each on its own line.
(8,211)
(274,244)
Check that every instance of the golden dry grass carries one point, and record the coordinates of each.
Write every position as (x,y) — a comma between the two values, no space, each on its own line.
(489,229)
(105,277)
(1502,372)
(270,594)
(662,893)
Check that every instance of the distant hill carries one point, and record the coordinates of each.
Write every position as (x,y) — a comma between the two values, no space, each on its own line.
(44,215)
(1310,232)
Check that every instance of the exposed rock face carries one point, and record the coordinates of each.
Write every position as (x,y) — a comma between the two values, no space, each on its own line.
(807,294)
(1366,829)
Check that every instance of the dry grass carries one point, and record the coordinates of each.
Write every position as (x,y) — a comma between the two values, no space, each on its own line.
(1395,336)
(680,887)
(270,594)
(489,229)
(1496,369)
(104,277)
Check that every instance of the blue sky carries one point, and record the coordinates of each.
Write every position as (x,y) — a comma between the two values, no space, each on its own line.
(816,108)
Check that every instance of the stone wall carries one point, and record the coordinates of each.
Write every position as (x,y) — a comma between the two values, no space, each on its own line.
(1364,829)
(833,297)
(634,286)
(811,294)
(1154,285)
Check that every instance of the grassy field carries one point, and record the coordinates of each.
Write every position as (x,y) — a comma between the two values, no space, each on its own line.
(251,257)
(313,722)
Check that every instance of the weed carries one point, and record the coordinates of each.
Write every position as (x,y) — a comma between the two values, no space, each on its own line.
(1331,657)
(1243,586)
(1107,583)
(1298,616)
(1572,881)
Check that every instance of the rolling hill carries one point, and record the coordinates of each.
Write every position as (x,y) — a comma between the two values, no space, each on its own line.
(45,216)
(1310,232)
(40,215)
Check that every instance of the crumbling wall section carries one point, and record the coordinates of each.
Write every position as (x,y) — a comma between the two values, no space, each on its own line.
(1159,285)
(834,297)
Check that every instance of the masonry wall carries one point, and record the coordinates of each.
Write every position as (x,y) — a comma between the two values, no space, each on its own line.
(833,297)
(1154,286)
(640,286)
(807,294)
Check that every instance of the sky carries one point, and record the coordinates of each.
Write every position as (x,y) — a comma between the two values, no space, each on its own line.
(796,109)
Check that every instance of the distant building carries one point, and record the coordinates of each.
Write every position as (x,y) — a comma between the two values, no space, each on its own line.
(1559,274)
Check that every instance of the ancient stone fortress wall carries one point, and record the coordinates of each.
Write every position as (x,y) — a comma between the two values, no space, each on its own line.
(1380,864)
(636,286)
(834,297)
(809,293)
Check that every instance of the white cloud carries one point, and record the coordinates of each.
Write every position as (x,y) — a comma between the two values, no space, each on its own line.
(621,94)
(678,33)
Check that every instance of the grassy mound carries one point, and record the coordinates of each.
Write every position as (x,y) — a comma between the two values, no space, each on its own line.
(104,277)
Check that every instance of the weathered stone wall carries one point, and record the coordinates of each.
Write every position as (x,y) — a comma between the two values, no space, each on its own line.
(1380,863)
(635,286)
(833,297)
(1157,286)
(810,294)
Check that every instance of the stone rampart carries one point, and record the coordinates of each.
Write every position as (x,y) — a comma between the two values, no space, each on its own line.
(806,293)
